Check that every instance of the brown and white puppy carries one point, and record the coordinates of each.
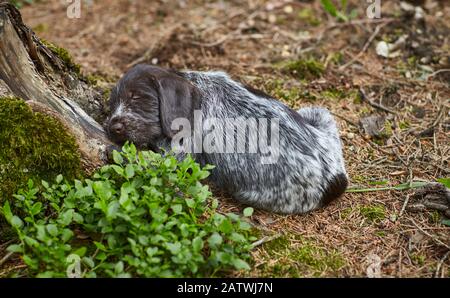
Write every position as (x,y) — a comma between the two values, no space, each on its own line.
(309,169)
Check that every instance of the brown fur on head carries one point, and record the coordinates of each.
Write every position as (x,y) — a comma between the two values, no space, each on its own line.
(145,102)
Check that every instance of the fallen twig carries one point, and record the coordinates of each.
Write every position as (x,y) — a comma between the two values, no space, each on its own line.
(366,45)
(440,263)
(403,186)
(265,239)
(436,239)
(6,258)
(364,97)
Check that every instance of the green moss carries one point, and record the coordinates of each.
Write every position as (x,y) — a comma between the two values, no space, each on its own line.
(373,213)
(345,213)
(318,260)
(301,258)
(64,55)
(292,95)
(334,93)
(418,259)
(308,16)
(435,217)
(277,89)
(304,68)
(277,244)
(41,28)
(32,145)
(387,132)
(404,124)
(381,233)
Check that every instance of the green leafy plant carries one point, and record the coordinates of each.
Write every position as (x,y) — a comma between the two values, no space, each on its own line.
(339,14)
(144,215)
(444,181)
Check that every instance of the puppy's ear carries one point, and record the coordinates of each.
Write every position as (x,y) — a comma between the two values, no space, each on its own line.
(178,98)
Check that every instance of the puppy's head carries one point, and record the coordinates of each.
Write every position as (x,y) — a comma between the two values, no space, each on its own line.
(144,104)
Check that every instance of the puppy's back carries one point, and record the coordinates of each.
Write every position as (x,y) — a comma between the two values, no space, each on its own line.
(309,172)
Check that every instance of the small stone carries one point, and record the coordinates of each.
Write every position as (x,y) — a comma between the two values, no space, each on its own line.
(270,6)
(285,54)
(288,9)
(382,49)
(425,60)
(350,135)
(419,13)
(155,61)
(272,18)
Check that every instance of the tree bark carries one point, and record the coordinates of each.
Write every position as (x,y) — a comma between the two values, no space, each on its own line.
(36,74)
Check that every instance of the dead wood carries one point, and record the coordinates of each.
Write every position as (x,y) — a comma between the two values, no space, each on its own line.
(38,75)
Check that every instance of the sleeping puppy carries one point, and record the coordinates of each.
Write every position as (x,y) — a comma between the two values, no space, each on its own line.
(224,123)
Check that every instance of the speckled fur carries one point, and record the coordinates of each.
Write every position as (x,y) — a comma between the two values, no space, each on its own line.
(310,169)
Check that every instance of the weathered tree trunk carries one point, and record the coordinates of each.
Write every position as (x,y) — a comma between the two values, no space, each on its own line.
(36,74)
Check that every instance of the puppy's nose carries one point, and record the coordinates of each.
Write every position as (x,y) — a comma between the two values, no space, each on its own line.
(118,128)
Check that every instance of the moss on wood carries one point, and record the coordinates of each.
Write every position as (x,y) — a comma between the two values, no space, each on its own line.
(32,145)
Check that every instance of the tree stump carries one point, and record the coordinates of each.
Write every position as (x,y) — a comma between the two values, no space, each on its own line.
(49,85)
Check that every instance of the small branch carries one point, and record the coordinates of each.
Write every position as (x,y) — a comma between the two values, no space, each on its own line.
(5,258)
(265,239)
(440,263)
(436,239)
(437,72)
(364,97)
(405,203)
(366,45)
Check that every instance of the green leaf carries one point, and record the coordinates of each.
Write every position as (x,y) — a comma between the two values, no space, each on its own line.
(215,240)
(177,208)
(329,7)
(17,248)
(66,217)
(59,179)
(237,237)
(446,222)
(174,248)
(6,210)
(118,268)
(248,211)
(197,244)
(66,235)
(36,208)
(129,171)
(88,261)
(215,203)
(190,203)
(240,264)
(102,189)
(52,230)
(81,251)
(226,226)
(16,222)
(444,181)
(45,184)
(117,157)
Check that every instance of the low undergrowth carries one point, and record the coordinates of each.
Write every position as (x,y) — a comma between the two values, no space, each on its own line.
(145,215)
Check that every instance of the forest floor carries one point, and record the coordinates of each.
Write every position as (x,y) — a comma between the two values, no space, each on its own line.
(393,113)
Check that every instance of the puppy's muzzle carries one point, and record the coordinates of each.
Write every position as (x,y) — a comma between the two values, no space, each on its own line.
(117,129)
